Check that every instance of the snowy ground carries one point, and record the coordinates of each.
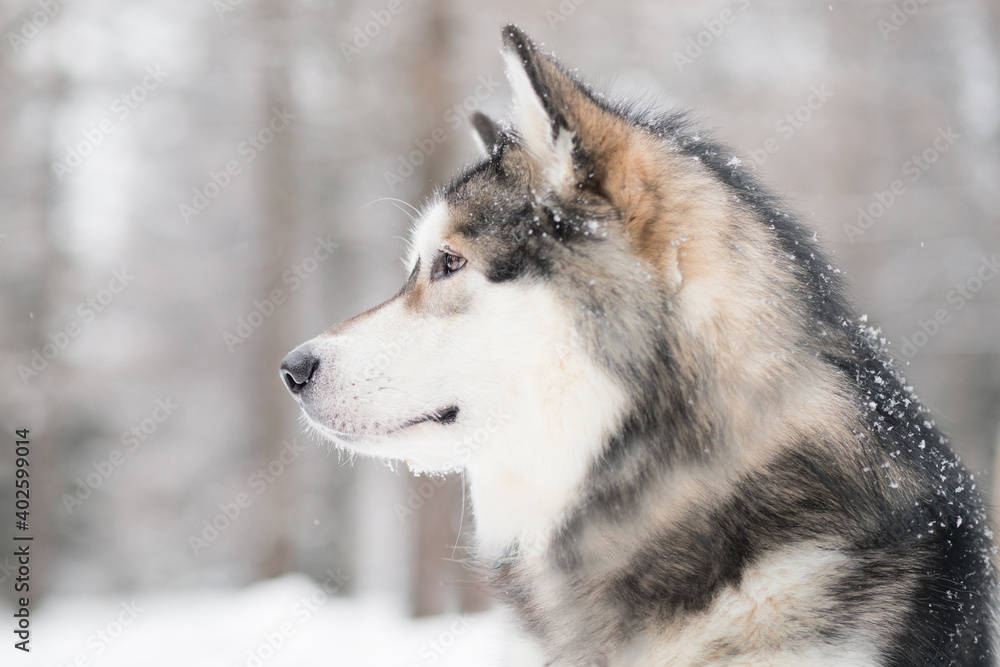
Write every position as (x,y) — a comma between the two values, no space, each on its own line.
(286,622)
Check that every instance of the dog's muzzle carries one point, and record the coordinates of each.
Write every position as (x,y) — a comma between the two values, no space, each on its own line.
(297,369)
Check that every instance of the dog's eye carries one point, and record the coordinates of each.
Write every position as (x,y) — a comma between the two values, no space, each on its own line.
(453,263)
(446,264)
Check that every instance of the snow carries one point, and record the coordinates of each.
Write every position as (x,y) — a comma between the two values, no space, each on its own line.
(285,622)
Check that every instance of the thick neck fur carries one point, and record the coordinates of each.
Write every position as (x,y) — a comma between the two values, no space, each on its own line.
(693,336)
(750,413)
(692,320)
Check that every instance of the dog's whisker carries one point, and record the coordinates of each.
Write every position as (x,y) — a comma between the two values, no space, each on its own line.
(412,215)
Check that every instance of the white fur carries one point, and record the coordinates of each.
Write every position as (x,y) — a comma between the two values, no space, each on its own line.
(530,118)
(772,608)
(427,232)
(774,603)
(534,408)
(534,126)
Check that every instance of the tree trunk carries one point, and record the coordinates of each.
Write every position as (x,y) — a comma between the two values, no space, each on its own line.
(279,235)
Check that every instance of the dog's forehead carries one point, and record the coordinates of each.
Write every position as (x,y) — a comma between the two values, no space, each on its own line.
(429,231)
(479,205)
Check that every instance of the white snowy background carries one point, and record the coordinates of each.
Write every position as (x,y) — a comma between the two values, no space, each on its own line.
(118,122)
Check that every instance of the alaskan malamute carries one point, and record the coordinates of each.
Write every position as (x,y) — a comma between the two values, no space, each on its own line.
(683,447)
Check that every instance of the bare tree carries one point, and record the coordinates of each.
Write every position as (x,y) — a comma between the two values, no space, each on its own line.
(279,234)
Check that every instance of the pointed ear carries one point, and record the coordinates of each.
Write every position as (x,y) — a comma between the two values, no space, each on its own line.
(487,132)
(580,143)
(541,91)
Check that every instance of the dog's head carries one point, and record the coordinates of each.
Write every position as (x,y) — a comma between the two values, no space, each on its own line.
(542,281)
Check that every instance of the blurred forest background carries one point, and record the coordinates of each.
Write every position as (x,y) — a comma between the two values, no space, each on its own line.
(189,190)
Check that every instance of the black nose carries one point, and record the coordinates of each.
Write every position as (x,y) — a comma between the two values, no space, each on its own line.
(298,368)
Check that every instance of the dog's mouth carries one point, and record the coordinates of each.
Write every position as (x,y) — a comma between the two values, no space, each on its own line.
(444,416)
(448,415)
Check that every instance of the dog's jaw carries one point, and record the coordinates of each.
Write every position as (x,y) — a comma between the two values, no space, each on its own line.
(530,477)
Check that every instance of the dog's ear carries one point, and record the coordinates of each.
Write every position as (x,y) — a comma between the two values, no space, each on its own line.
(487,132)
(542,91)
(558,120)
(577,141)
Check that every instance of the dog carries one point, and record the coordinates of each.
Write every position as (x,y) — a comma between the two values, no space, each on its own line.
(683,447)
